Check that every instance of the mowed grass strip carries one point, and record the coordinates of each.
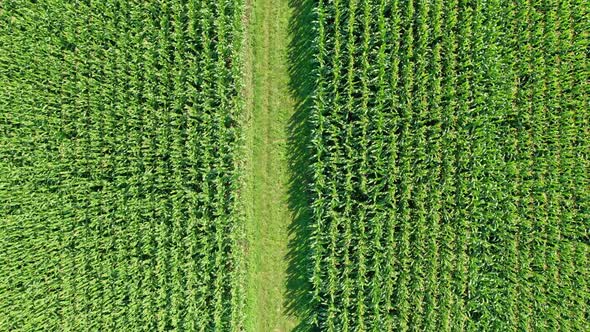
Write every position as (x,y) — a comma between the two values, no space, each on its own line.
(119,178)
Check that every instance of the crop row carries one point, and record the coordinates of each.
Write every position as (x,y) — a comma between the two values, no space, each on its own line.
(450,186)
(120,143)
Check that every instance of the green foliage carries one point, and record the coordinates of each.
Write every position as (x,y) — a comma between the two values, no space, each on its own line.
(450,187)
(119,178)
(450,181)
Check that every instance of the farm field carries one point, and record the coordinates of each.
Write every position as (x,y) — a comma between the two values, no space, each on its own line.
(121,147)
(450,186)
(294,165)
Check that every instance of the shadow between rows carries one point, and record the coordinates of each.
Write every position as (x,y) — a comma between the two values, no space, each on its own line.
(301,58)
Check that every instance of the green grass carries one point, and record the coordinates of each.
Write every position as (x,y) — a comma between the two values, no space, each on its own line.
(269,107)
(119,176)
(450,166)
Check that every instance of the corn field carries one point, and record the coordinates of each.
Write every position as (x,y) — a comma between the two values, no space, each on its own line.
(119,176)
(450,175)
(448,187)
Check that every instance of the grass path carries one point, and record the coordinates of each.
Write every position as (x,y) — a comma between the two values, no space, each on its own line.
(269,108)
